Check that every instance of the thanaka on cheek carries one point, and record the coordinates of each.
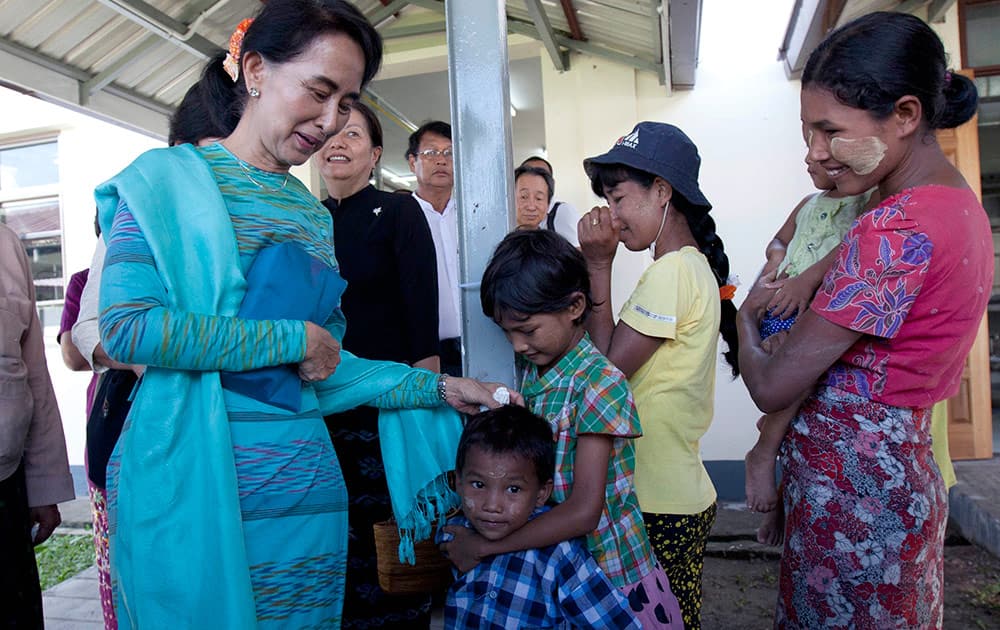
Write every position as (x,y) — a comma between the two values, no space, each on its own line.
(861,155)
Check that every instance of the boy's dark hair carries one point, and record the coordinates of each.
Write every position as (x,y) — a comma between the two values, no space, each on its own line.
(534,271)
(540,172)
(438,127)
(510,429)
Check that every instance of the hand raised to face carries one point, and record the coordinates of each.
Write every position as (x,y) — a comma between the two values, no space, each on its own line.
(599,234)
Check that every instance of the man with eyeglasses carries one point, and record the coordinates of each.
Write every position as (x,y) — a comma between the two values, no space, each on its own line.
(430,158)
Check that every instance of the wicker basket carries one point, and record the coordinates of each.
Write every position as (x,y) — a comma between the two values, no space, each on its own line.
(430,574)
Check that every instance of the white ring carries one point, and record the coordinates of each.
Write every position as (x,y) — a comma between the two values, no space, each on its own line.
(502,395)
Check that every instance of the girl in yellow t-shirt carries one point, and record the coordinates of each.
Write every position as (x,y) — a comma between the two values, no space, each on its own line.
(667,336)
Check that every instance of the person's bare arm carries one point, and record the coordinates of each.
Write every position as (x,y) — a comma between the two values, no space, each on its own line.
(598,234)
(630,349)
(70,355)
(432,363)
(778,247)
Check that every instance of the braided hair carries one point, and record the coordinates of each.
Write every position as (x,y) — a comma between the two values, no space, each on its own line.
(702,227)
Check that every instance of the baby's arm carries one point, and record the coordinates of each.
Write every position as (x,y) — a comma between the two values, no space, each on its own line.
(795,294)
(776,249)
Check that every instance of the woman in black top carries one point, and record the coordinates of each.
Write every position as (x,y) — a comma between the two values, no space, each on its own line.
(386,254)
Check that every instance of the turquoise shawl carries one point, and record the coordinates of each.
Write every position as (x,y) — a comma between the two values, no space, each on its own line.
(177,548)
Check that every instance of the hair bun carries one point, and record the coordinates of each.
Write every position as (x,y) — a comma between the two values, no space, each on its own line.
(961,101)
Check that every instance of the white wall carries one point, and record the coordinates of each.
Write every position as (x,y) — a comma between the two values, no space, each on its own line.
(90,151)
(744,116)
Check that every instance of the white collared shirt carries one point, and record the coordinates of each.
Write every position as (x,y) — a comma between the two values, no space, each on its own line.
(567,217)
(444,231)
(86,335)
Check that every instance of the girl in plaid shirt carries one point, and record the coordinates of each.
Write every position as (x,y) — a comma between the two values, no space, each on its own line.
(537,289)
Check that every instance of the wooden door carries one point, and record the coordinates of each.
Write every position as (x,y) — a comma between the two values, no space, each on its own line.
(970,413)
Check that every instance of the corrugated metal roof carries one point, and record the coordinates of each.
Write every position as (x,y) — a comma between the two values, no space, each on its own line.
(121,54)
(627,26)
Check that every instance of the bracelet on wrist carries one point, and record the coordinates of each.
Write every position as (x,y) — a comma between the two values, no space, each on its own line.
(443,387)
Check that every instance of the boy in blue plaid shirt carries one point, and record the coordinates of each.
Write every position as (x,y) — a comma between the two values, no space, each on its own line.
(505,465)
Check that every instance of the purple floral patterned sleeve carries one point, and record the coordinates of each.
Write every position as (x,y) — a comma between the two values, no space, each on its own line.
(878,274)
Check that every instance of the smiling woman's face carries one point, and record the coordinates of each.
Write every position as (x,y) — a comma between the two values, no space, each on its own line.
(849,145)
(304,101)
(349,155)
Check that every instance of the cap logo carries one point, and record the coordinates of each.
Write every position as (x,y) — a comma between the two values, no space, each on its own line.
(631,140)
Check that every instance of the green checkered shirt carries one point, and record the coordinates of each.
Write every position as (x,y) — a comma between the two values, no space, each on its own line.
(583,393)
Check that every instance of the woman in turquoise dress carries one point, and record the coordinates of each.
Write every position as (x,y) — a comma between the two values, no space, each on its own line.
(227,506)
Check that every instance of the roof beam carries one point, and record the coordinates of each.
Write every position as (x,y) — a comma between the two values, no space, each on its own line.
(685,35)
(937,10)
(909,6)
(523,28)
(397,32)
(834,11)
(388,10)
(574,23)
(662,18)
(190,19)
(806,29)
(432,5)
(545,33)
(51,80)
(109,74)
(387,109)
(161,24)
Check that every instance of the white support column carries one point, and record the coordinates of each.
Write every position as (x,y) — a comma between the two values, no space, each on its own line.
(481,134)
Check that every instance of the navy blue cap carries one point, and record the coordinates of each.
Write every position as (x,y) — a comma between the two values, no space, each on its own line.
(662,150)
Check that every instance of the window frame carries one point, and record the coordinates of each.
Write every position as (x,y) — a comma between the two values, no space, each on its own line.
(979,71)
(40,192)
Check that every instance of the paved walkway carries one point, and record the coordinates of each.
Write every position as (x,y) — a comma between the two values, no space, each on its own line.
(974,502)
(74,604)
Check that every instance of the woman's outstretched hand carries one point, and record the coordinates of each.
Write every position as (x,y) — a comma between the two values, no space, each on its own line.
(598,233)
(467,395)
(322,354)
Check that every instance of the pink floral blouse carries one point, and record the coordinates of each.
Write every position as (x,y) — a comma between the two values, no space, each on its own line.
(914,276)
